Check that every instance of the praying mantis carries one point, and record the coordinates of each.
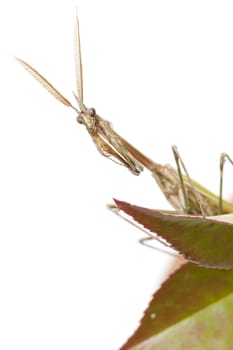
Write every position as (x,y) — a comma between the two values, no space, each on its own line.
(184,194)
(107,141)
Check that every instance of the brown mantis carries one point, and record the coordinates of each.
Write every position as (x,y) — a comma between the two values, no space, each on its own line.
(107,141)
(184,194)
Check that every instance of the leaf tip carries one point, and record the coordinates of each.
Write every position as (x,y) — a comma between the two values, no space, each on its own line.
(121,204)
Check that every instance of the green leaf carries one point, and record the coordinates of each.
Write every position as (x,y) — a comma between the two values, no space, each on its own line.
(193,310)
(204,241)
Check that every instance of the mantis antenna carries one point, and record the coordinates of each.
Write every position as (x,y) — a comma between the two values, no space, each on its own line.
(78,64)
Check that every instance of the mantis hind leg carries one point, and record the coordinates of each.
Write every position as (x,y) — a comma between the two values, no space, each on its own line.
(223,158)
(184,187)
(144,241)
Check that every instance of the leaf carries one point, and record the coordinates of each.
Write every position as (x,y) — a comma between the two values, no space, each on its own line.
(193,310)
(205,241)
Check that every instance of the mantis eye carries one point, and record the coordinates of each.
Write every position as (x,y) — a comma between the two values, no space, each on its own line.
(91,112)
(79,119)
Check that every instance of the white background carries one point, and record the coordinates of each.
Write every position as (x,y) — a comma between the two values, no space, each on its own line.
(72,275)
